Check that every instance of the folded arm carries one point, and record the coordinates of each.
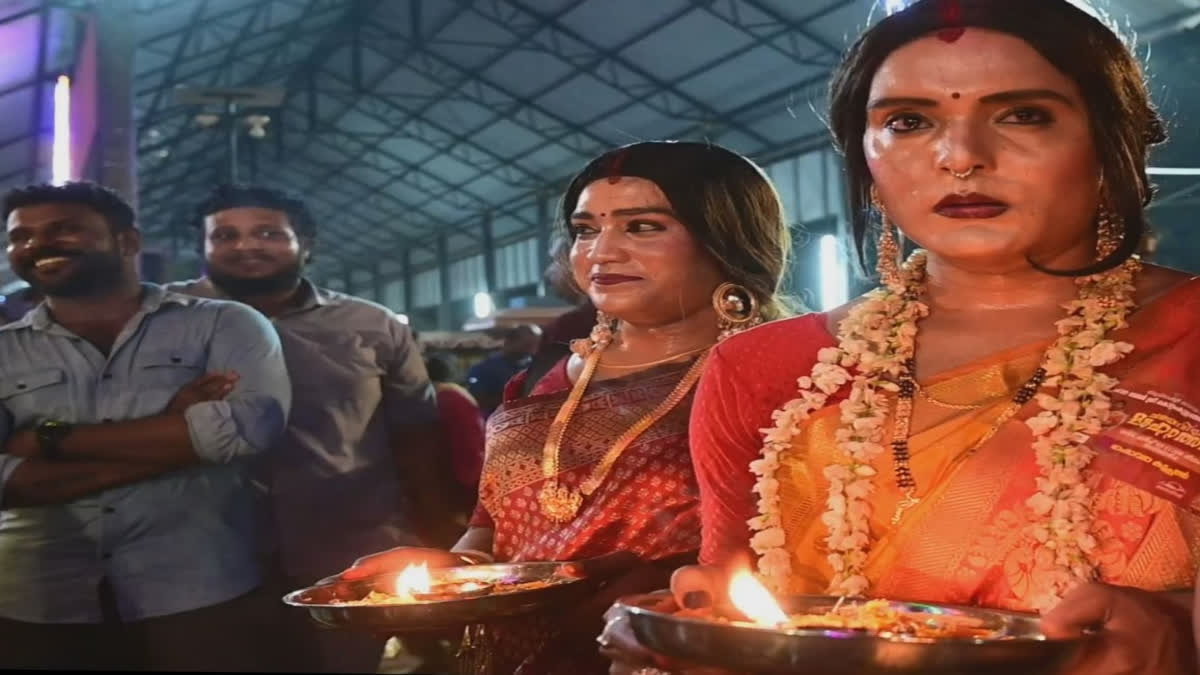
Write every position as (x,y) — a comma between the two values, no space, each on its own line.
(39,482)
(245,423)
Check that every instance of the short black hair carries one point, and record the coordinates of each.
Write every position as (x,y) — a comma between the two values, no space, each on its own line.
(524,330)
(440,368)
(258,196)
(115,210)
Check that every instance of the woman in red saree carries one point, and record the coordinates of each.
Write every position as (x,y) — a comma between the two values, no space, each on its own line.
(1012,419)
(676,245)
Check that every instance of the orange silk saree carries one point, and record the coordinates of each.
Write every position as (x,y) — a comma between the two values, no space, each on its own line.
(969,540)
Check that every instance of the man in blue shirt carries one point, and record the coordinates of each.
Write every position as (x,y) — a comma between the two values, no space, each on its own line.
(127,417)
(487,378)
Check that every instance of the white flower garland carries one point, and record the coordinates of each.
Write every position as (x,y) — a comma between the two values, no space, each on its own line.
(876,339)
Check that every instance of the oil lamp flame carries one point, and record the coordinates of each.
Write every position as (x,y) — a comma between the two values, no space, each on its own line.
(754,600)
(414,579)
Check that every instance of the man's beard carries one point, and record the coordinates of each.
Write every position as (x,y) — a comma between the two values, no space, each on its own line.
(96,273)
(252,287)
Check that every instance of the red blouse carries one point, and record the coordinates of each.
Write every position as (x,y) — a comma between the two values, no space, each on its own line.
(747,377)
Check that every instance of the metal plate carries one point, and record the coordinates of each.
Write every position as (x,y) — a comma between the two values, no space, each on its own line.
(1017,647)
(570,587)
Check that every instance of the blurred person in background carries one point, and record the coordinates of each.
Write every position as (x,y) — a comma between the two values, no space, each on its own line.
(486,379)
(462,428)
(357,467)
(16,304)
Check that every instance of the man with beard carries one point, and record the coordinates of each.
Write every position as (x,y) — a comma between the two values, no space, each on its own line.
(127,416)
(355,471)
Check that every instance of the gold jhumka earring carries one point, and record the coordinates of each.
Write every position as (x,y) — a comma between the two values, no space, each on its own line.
(1110,231)
(737,309)
(887,248)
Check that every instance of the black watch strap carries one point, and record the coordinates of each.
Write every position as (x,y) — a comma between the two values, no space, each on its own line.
(50,435)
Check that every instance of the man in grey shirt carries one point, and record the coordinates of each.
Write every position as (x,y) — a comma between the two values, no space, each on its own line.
(127,417)
(355,472)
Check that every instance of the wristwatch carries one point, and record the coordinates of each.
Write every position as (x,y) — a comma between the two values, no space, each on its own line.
(50,435)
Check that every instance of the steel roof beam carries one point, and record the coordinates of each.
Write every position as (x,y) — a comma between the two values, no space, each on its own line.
(286,33)
(663,91)
(541,182)
(799,27)
(380,190)
(407,165)
(149,42)
(782,30)
(195,25)
(805,142)
(354,229)
(315,56)
(417,122)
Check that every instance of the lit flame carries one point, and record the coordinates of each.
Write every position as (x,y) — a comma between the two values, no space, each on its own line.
(414,579)
(754,600)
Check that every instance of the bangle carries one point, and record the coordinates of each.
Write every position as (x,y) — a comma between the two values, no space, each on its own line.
(473,557)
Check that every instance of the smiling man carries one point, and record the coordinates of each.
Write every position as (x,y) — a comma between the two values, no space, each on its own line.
(127,417)
(354,472)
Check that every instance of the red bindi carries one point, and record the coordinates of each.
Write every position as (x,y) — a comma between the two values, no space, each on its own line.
(952,17)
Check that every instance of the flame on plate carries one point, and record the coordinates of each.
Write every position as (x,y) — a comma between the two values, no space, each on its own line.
(754,600)
(414,579)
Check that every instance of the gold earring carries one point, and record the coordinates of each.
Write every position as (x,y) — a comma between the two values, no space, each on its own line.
(1110,231)
(737,309)
(600,337)
(887,249)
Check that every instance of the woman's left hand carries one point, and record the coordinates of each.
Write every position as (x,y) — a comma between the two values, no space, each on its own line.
(1138,631)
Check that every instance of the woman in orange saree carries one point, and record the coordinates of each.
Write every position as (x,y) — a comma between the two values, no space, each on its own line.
(969,539)
(676,245)
(1015,413)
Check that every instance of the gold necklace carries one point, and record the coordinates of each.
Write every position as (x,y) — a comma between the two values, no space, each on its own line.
(659,361)
(903,422)
(560,503)
(921,391)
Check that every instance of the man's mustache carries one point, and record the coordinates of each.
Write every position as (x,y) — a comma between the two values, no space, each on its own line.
(250,257)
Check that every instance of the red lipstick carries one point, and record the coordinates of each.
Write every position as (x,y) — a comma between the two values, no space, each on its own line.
(971,206)
(612,279)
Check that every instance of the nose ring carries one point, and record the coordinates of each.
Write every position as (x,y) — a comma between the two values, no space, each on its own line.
(962,175)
